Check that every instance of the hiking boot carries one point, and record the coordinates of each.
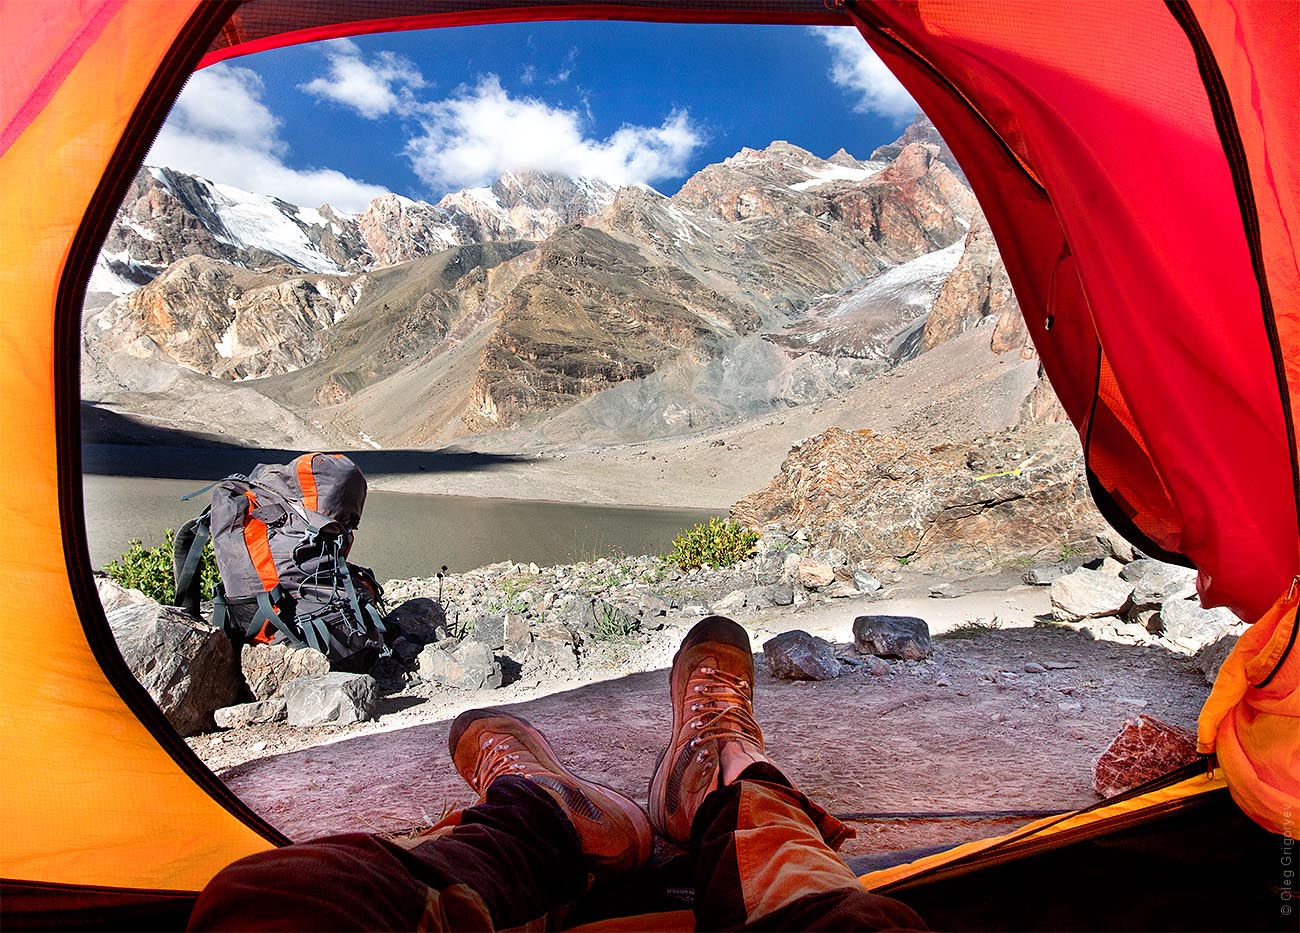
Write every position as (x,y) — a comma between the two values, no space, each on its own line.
(613,830)
(714,735)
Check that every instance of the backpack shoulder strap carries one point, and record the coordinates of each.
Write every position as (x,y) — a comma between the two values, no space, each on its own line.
(187,555)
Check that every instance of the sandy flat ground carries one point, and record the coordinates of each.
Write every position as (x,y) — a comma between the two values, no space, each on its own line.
(968,730)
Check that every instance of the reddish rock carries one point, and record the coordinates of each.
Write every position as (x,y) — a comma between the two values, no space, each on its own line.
(1145,749)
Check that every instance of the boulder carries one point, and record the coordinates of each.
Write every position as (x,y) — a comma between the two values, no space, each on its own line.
(515,630)
(1144,749)
(187,666)
(1116,546)
(1210,658)
(865,582)
(832,556)
(251,714)
(336,699)
(1089,594)
(468,666)
(1186,625)
(780,594)
(1046,575)
(841,589)
(420,619)
(115,596)
(407,649)
(731,602)
(814,574)
(904,637)
(490,630)
(798,655)
(1154,582)
(267,668)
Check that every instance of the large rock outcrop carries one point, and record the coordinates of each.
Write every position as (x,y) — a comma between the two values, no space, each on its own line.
(953,508)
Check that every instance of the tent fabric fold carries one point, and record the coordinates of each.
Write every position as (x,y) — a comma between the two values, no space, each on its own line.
(1139,165)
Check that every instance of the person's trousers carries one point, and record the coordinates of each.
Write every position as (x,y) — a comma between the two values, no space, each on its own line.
(760,849)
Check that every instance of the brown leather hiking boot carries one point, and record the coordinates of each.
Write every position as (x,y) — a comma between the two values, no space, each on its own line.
(613,830)
(714,735)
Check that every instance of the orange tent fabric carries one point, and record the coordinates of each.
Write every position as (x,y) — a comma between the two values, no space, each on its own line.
(1137,161)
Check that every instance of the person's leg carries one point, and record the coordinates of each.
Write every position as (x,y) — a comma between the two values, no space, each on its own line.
(530,846)
(764,853)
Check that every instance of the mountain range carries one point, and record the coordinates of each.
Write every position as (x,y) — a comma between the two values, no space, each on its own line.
(771,279)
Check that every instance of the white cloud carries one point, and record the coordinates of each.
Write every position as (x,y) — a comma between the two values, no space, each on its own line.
(372,88)
(856,68)
(220,129)
(471,138)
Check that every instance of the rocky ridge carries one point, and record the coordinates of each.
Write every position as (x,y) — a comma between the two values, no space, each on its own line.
(644,284)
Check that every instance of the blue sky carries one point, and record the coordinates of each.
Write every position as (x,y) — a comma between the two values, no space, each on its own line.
(424,113)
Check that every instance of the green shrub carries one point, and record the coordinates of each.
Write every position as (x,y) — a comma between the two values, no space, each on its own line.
(716,543)
(149,569)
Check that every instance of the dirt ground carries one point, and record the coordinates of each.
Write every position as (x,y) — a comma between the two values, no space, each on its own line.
(967,730)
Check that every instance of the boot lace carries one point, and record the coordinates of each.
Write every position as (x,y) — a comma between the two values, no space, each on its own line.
(723,707)
(500,755)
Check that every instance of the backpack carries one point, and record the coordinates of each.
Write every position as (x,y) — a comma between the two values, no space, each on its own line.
(282,536)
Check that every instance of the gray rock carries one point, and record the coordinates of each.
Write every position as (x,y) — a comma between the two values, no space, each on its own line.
(797,655)
(267,668)
(421,619)
(1033,667)
(790,566)
(187,666)
(945,591)
(1210,658)
(731,602)
(1046,575)
(1088,594)
(1155,581)
(251,714)
(892,637)
(331,699)
(832,556)
(1116,546)
(116,597)
(865,582)
(468,666)
(781,594)
(490,630)
(1189,627)
(652,605)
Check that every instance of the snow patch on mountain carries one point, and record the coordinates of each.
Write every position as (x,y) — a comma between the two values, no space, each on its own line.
(256,220)
(913,283)
(834,172)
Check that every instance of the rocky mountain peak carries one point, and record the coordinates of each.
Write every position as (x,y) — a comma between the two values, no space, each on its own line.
(920,130)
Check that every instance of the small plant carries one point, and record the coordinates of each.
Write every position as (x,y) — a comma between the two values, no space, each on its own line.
(149,569)
(715,543)
(609,622)
(971,630)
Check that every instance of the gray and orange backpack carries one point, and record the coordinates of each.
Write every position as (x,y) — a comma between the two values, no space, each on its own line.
(282,536)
